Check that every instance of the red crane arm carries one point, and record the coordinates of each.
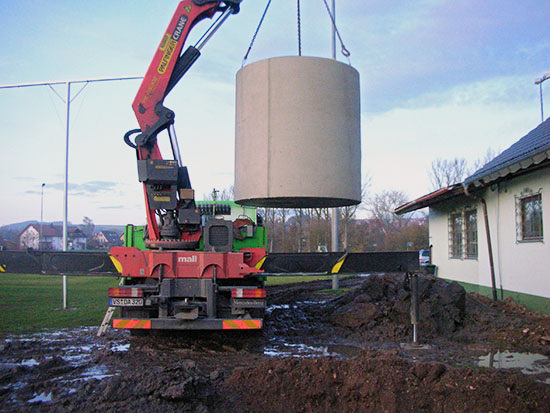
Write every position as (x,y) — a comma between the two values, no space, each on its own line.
(166,69)
(147,104)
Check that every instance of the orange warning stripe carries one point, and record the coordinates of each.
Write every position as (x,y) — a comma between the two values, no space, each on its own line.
(120,323)
(248,293)
(241,324)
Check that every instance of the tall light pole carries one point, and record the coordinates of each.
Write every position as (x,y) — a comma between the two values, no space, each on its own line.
(334,221)
(539,82)
(67,102)
(41,216)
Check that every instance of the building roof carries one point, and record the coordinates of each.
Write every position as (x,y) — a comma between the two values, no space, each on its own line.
(432,198)
(530,150)
(50,230)
(111,236)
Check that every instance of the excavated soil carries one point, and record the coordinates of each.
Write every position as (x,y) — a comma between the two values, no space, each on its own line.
(319,352)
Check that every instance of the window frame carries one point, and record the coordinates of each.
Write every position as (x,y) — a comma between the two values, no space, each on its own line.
(456,224)
(532,201)
(470,232)
(463,234)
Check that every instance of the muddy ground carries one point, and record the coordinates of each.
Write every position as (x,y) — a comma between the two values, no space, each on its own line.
(319,352)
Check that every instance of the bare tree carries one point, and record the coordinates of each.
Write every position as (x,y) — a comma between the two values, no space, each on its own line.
(446,172)
(87,227)
(348,213)
(382,205)
(226,194)
(282,214)
(484,160)
(302,218)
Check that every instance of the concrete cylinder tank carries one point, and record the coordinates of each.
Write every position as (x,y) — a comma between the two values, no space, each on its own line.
(298,134)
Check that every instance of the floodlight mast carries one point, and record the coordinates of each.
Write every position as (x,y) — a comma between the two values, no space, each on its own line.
(67,102)
(334,213)
(539,82)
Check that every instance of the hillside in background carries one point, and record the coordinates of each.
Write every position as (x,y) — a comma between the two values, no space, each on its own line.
(11,232)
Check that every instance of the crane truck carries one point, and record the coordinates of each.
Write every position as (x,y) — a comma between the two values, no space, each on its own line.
(189,267)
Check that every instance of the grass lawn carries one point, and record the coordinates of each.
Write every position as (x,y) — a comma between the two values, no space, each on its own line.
(281,280)
(30,302)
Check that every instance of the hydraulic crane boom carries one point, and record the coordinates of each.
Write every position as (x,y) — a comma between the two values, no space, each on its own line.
(168,192)
(190,268)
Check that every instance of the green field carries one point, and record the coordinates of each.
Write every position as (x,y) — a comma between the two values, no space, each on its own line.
(31,302)
(298,279)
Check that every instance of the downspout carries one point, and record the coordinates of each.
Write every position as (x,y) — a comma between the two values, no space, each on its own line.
(488,235)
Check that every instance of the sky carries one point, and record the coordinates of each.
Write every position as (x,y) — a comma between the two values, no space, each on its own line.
(439,79)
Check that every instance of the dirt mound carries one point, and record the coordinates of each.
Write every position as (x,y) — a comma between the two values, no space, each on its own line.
(380,308)
(505,324)
(146,383)
(318,352)
(382,381)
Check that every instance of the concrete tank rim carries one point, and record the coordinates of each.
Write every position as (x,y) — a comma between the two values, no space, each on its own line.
(298,202)
(293,57)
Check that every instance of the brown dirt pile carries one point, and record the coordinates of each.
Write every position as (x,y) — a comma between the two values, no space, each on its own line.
(382,382)
(145,382)
(360,364)
(380,308)
(505,324)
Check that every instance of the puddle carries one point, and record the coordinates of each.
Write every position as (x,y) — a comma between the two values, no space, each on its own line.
(30,363)
(41,398)
(283,348)
(96,372)
(309,302)
(296,350)
(120,347)
(527,363)
(269,309)
(76,347)
(26,363)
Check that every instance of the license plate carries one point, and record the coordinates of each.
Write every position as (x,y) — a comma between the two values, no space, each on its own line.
(126,302)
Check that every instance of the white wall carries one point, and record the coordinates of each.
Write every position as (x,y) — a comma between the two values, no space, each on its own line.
(29,238)
(452,268)
(523,266)
(519,266)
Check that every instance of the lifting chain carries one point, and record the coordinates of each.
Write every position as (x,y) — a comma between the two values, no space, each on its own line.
(343,49)
(299,22)
(255,34)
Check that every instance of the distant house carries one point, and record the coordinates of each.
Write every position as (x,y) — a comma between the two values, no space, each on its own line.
(511,194)
(107,239)
(6,245)
(52,237)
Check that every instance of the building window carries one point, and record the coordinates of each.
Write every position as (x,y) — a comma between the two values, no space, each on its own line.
(456,235)
(463,234)
(530,213)
(470,218)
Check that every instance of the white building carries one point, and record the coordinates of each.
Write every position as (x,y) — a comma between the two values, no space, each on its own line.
(52,238)
(512,194)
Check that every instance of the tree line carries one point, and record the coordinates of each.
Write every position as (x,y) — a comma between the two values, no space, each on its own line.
(309,229)
(379,228)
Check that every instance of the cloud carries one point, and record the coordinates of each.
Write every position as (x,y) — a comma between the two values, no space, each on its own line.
(85,188)
(391,140)
(112,207)
(503,90)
